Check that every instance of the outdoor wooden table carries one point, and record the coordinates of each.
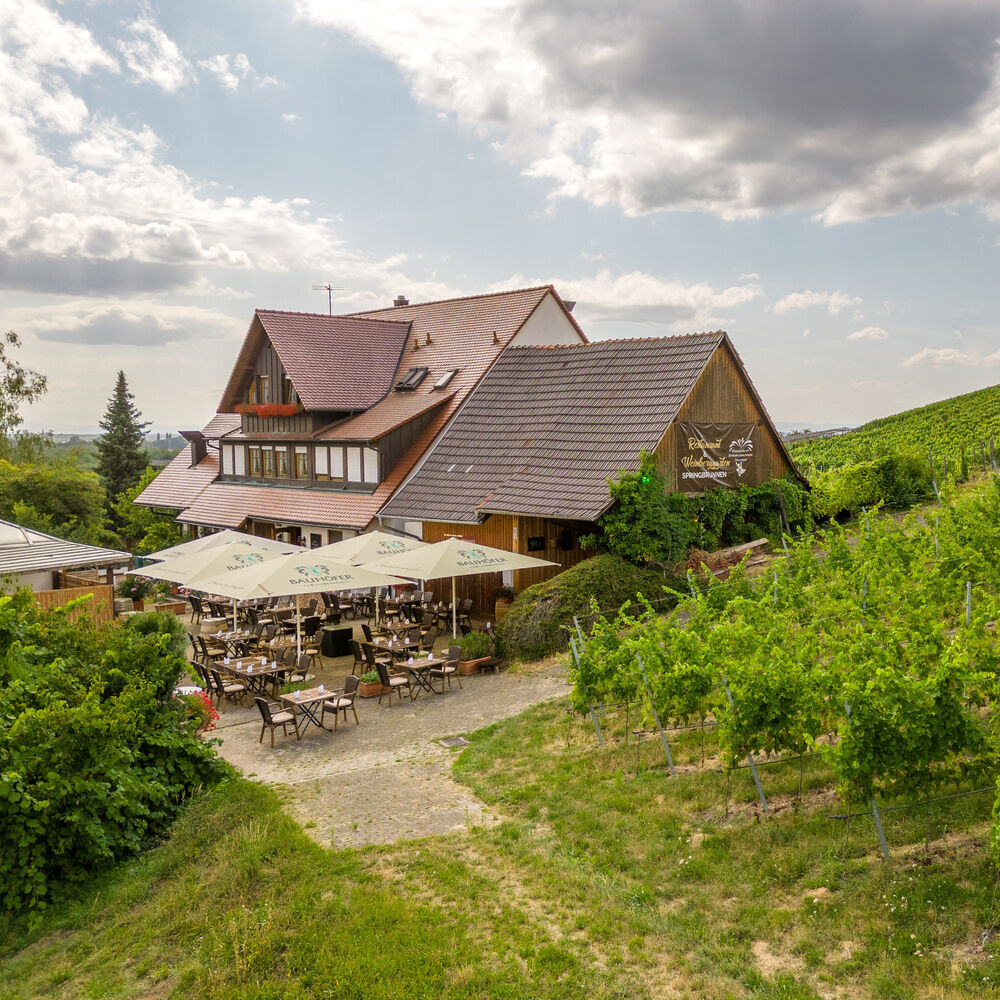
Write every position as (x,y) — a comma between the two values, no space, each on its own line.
(399,647)
(419,671)
(310,701)
(256,674)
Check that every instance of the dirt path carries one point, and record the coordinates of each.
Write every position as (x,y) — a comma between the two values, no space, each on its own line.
(387,778)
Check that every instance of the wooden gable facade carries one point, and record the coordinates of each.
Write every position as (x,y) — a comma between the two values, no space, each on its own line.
(719,391)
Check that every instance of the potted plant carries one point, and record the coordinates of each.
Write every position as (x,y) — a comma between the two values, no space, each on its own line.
(475,653)
(502,597)
(136,588)
(369,684)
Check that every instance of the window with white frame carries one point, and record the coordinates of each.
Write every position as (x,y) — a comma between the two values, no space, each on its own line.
(354,465)
(370,457)
(227,459)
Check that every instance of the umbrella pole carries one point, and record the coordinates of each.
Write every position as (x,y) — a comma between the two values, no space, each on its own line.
(236,607)
(454,611)
(298,629)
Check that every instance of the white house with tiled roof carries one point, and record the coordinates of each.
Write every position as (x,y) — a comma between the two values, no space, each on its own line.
(323,417)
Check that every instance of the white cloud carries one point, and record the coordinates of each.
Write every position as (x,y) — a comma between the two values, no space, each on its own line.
(153,57)
(141,321)
(870,383)
(849,110)
(939,357)
(868,333)
(637,297)
(233,71)
(832,301)
(290,117)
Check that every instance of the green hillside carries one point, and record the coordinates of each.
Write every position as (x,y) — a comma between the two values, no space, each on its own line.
(945,428)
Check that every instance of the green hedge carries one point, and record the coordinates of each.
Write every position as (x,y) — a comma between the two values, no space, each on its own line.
(96,755)
(538,621)
(891,481)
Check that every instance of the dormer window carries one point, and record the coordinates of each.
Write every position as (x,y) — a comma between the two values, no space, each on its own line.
(252,392)
(445,378)
(265,388)
(288,393)
(411,379)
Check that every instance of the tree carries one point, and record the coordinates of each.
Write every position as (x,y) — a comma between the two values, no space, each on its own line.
(142,528)
(18,386)
(122,458)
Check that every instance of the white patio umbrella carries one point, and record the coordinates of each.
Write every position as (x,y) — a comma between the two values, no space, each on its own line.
(455,557)
(198,570)
(299,573)
(227,537)
(369,547)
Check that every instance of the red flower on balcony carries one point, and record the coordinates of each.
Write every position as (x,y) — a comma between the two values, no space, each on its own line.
(270,409)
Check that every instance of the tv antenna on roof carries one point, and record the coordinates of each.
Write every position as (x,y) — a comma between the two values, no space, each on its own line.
(329,289)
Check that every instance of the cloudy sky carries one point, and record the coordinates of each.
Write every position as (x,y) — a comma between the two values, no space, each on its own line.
(821,180)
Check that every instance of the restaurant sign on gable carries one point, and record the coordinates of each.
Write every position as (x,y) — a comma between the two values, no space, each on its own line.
(714,455)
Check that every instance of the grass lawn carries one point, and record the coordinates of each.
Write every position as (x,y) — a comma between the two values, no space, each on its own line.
(604,878)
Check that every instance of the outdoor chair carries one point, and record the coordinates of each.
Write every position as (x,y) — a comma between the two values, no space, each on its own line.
(427,598)
(271,718)
(392,682)
(209,654)
(376,654)
(448,669)
(427,640)
(300,673)
(233,690)
(196,609)
(310,608)
(366,630)
(465,612)
(342,702)
(359,656)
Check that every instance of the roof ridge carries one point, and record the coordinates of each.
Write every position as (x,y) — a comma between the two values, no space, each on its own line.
(619,340)
(456,298)
(366,319)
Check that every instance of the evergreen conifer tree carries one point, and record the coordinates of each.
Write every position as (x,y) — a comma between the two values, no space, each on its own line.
(121,457)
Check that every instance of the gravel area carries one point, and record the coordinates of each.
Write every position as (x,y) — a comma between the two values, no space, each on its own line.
(386,778)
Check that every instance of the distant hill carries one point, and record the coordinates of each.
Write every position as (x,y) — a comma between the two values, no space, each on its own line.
(943,428)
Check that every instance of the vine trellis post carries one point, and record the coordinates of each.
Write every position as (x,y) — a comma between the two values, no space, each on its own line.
(875,812)
(593,713)
(656,715)
(753,766)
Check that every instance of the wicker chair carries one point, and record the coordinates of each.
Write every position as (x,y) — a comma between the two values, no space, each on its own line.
(342,702)
(448,669)
(359,655)
(392,682)
(281,717)
(231,690)
(196,608)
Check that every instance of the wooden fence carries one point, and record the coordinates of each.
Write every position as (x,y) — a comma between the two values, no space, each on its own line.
(101,607)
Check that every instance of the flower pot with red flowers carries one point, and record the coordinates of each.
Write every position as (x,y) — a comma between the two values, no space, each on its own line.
(269,410)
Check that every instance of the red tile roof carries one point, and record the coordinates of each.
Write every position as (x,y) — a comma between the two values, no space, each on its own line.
(178,484)
(454,333)
(396,409)
(334,362)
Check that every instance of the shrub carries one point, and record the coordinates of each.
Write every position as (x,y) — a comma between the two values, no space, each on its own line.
(539,620)
(892,481)
(96,755)
(475,645)
(647,523)
(160,623)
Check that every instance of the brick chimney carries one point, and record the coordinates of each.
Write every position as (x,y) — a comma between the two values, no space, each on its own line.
(400,300)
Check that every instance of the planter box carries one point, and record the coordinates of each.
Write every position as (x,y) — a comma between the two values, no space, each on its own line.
(137,605)
(369,690)
(172,607)
(467,667)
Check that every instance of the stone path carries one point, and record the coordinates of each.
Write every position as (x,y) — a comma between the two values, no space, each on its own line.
(388,778)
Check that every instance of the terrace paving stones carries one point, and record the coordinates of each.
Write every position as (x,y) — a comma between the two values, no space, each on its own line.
(388,778)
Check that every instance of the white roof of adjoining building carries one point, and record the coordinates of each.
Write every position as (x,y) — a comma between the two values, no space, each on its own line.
(24,550)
